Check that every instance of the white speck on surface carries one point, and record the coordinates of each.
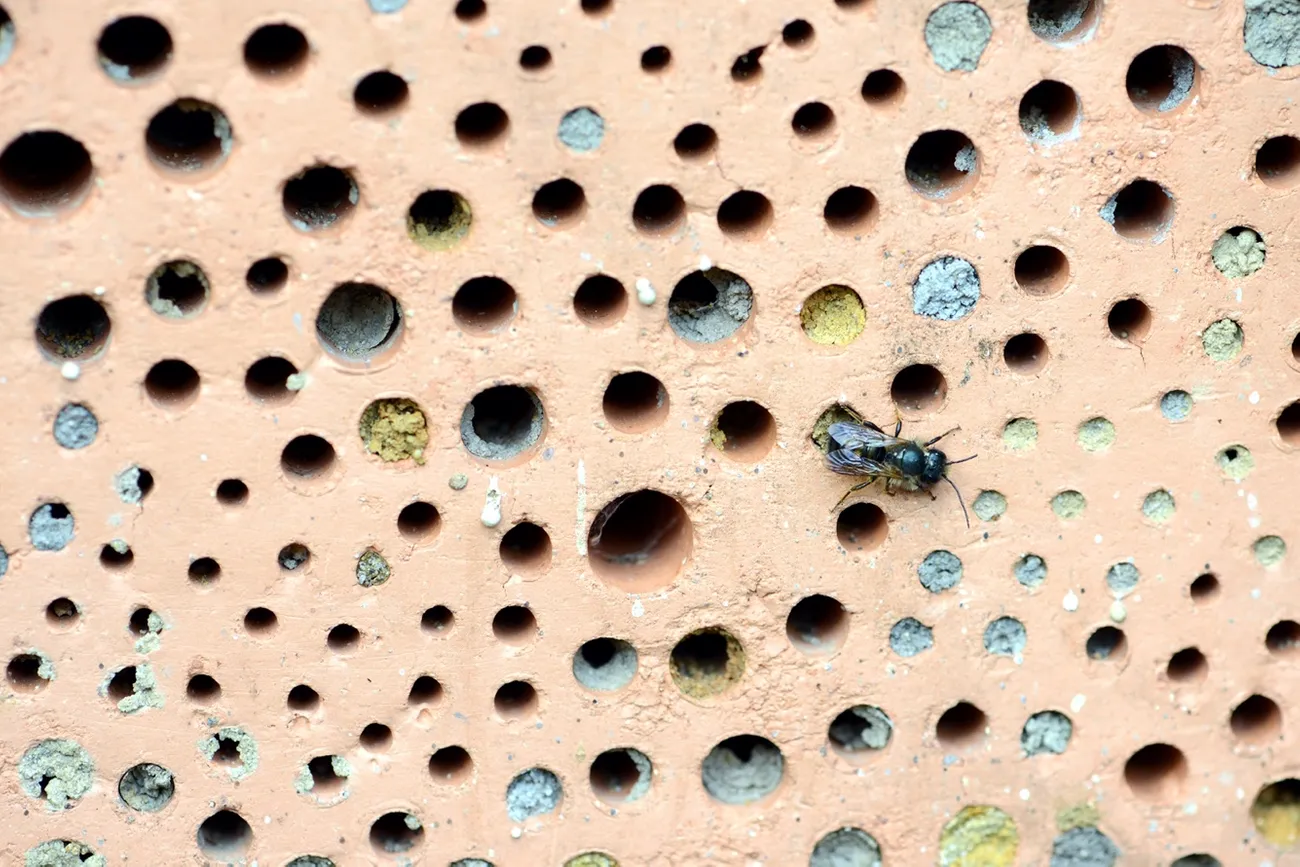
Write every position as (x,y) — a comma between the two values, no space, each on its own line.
(638,610)
(645,293)
(1118,612)
(491,515)
(1070,602)
(705,263)
(516,832)
(1254,397)
(296,381)
(1024,794)
(1077,703)
(1254,522)
(1097,538)
(70,370)
(1252,502)
(580,533)
(1255,593)
(100,291)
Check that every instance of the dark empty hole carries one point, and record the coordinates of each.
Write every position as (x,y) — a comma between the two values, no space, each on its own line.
(515,699)
(526,546)
(797,33)
(634,401)
(1283,637)
(1256,719)
(203,688)
(881,87)
(449,765)
(1129,320)
(1042,270)
(376,737)
(122,684)
(318,197)
(267,275)
(695,141)
(1025,353)
(849,209)
(74,327)
(941,164)
(204,570)
(658,208)
(303,697)
(1160,78)
(343,637)
(138,623)
(1155,769)
(418,520)
(437,619)
(306,456)
(1277,162)
(171,381)
(484,304)
(381,91)
(961,725)
(1105,643)
(598,652)
(111,558)
(267,379)
(861,527)
(1187,664)
(919,387)
(177,289)
(425,690)
(274,49)
(232,492)
(1205,587)
(438,219)
(640,539)
(293,556)
(1143,209)
(600,300)
(748,66)
(133,47)
(396,832)
(44,172)
(324,781)
(481,124)
(597,7)
(227,752)
(514,624)
(813,119)
(747,428)
(614,775)
(558,202)
(1048,109)
(535,58)
(744,213)
(506,419)
(62,613)
(816,624)
(470,10)
(656,58)
(1288,424)
(1295,347)
(224,833)
(260,621)
(23,673)
(701,654)
(188,135)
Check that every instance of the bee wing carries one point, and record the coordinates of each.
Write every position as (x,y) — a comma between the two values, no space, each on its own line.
(848,463)
(858,437)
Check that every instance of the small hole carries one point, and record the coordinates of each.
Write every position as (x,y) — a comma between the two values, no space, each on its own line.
(122,684)
(437,620)
(1288,424)
(133,48)
(1025,353)
(1063,21)
(376,737)
(204,571)
(1205,588)
(635,402)
(1106,643)
(203,689)
(138,623)
(1277,162)
(861,527)
(232,492)
(303,698)
(620,776)
(470,10)
(275,49)
(1257,720)
(860,731)
(1141,211)
(742,769)
(1156,772)
(43,173)
(961,725)
(535,58)
(1283,637)
(600,301)
(1161,79)
(605,664)
(597,7)
(526,547)
(658,209)
(748,67)
(640,541)
(293,556)
(380,92)
(267,276)
(394,833)
(481,125)
(189,136)
(268,380)
(797,34)
(306,457)
(515,700)
(119,557)
(418,521)
(813,120)
(883,87)
(817,625)
(172,383)
(62,613)
(358,322)
(484,305)
(260,621)
(450,766)
(559,203)
(1129,320)
(326,783)
(502,422)
(28,672)
(514,625)
(744,431)
(318,197)
(850,210)
(656,58)
(1188,665)
(707,662)
(943,164)
(75,327)
(1049,112)
(425,690)
(1042,270)
(745,215)
(919,388)
(696,141)
(224,835)
(343,637)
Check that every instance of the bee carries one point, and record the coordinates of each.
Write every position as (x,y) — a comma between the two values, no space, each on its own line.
(860,448)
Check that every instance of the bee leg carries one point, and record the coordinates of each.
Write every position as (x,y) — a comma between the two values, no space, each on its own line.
(888,487)
(851,491)
(931,493)
(898,428)
(941,436)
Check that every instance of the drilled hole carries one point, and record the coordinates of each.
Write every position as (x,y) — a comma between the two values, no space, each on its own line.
(1257,720)
(267,276)
(658,209)
(418,521)
(850,210)
(225,835)
(526,548)
(620,776)
(343,637)
(43,173)
(535,58)
(450,766)
(597,7)
(274,50)
(1288,424)
(919,388)
(394,833)
(515,700)
(1106,643)
(1049,112)
(204,571)
(559,203)
(1188,665)
(380,92)
(133,48)
(203,689)
(326,783)
(307,456)
(1129,320)
(742,769)
(1025,353)
(303,698)
(860,731)
(1141,211)
(817,625)
(293,556)
(696,141)
(656,58)
(748,67)
(707,662)
(943,164)
(376,737)
(73,328)
(28,672)
(1205,588)
(605,664)
(640,541)
(122,684)
(1161,79)
(117,556)
(1042,270)
(635,402)
(470,10)
(883,87)
(62,614)
(1277,162)
(1063,21)
(438,220)
(745,215)
(797,34)
(813,120)
(232,492)
(437,620)
(600,301)
(172,383)
(1283,637)
(260,621)
(514,625)
(481,125)
(1156,772)
(319,197)
(358,322)
(189,135)
(744,431)
(425,690)
(268,380)
(502,422)
(861,527)
(483,305)
(961,725)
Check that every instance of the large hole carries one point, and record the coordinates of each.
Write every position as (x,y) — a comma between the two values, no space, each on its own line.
(850,210)
(146,787)
(1049,112)
(942,164)
(707,662)
(326,783)
(307,456)
(600,301)
(883,87)
(640,541)
(1277,162)
(1063,21)
(224,835)
(439,219)
(1156,772)
(605,664)
(961,725)
(1283,638)
(1206,588)
(134,47)
(1042,270)
(742,769)
(515,625)
(744,430)
(1025,353)
(484,305)
(376,738)
(745,215)
(267,379)
(275,49)
(28,672)
(425,690)
(470,10)
(502,422)
(1273,812)
(418,521)
(1161,79)
(1257,720)
(1129,320)
(343,638)
(203,689)
(177,289)
(437,620)
(450,766)
(73,328)
(396,832)
(526,548)
(1106,643)
(516,700)
(303,698)
(535,58)
(380,92)
(481,125)
(919,388)
(1141,211)
(658,209)
(204,571)
(1188,665)
(860,731)
(358,322)
(861,527)
(318,197)
(43,173)
(813,121)
(62,614)
(619,776)
(559,203)
(260,621)
(817,625)
(172,383)
(709,306)
(635,402)
(1288,424)
(696,141)
(189,135)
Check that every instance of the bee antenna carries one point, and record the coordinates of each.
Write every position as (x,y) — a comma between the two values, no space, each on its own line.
(963,460)
(960,502)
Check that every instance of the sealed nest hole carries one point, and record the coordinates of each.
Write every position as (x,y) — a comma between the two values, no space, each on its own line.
(394,429)
(707,662)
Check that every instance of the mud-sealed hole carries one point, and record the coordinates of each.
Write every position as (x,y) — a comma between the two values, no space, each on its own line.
(744,431)
(1106,643)
(656,59)
(43,173)
(745,215)
(268,379)
(303,698)
(306,457)
(343,638)
(502,422)
(640,541)
(813,121)
(133,48)
(962,725)
(29,672)
(605,664)
(535,58)
(742,769)
(1025,354)
(1156,772)
(1064,21)
(319,197)
(943,164)
(396,832)
(1129,320)
(437,620)
(439,219)
(1161,79)
(620,776)
(146,787)
(709,306)
(425,689)
(62,614)
(380,92)
(861,527)
(189,135)
(224,835)
(275,50)
(526,548)
(748,67)
(171,383)
(817,625)
(72,328)
(860,731)
(919,388)
(658,209)
(122,684)
(1283,638)
(267,276)
(418,521)
(695,142)
(707,662)
(394,430)
(1273,812)
(203,689)
(1277,162)
(833,316)
(481,125)
(1206,588)
(850,210)
(1049,112)
(1256,720)
(515,625)
(450,766)
(559,203)
(483,305)
(1042,270)
(358,322)
(635,402)
(600,301)
(1141,211)
(516,700)
(883,87)
(533,792)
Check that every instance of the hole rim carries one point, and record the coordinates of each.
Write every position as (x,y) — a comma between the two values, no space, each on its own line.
(635,402)
(919,390)
(600,301)
(861,527)
(744,431)
(670,541)
(817,625)
(1042,270)
(276,51)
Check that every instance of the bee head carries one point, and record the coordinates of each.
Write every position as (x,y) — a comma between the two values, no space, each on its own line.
(911,460)
(935,463)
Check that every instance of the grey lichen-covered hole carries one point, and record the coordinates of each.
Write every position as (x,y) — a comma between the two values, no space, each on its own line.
(134,688)
(324,778)
(372,568)
(133,484)
(502,422)
(605,664)
(581,129)
(63,853)
(1006,636)
(708,306)
(846,847)
(232,748)
(1084,847)
(1030,570)
(1047,731)
(1020,434)
(1069,505)
(189,135)
(177,289)
(311,861)
(1158,506)
(358,321)
(1272,32)
(1176,405)
(146,787)
(1063,21)
(1122,578)
(57,770)
(940,571)
(75,426)
(534,792)
(742,769)
(1096,434)
(621,775)
(1269,551)
(957,34)
(862,728)
(1160,79)
(1239,252)
(946,289)
(51,527)
(1223,340)
(909,636)
(942,164)
(1235,461)
(29,672)
(1049,113)
(989,506)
